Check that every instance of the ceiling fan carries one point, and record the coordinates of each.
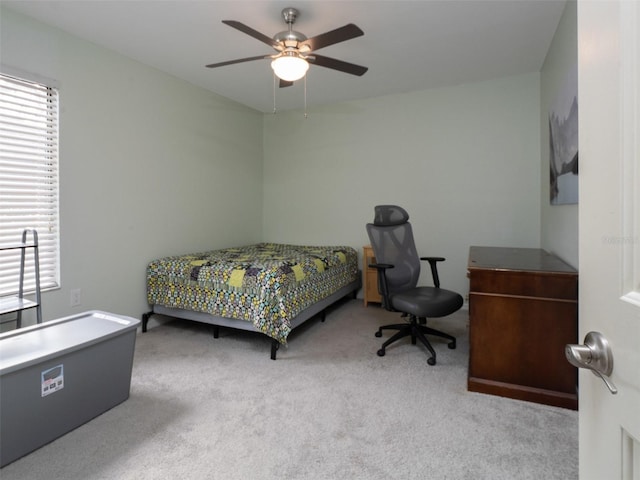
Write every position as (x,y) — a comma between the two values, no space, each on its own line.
(296,51)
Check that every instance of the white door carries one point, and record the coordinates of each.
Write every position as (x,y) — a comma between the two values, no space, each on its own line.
(609,204)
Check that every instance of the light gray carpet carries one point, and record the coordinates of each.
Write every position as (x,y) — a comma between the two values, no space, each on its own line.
(328,408)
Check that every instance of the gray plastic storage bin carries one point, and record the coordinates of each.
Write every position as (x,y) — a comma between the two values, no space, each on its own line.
(58,375)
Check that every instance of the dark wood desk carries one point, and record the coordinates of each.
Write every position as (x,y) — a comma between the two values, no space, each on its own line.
(523,310)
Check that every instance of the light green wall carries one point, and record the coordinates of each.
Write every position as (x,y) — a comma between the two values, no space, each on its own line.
(559,223)
(464,161)
(149,166)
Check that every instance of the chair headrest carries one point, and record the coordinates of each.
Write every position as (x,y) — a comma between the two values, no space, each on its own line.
(388,215)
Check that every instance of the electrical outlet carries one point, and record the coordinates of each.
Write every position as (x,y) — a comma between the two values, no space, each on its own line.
(75,300)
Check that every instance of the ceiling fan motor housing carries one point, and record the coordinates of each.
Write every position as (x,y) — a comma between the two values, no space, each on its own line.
(290,38)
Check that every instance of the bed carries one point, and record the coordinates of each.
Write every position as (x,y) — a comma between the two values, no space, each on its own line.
(268,288)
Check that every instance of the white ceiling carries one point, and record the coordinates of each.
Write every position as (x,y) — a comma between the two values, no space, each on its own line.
(407,45)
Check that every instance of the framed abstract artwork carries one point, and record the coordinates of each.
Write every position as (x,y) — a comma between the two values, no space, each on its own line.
(563,143)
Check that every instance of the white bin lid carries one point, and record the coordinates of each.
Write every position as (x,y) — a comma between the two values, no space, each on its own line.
(23,347)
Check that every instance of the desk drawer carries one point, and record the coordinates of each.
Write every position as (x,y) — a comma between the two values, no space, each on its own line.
(526,284)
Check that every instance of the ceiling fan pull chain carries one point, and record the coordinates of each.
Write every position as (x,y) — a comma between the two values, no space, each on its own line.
(305,97)
(274,93)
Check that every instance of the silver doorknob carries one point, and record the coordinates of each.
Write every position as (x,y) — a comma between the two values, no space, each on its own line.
(594,355)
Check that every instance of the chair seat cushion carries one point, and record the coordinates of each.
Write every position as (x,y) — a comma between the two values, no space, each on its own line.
(427,302)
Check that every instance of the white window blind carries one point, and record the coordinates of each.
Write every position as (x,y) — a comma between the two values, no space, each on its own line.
(28,180)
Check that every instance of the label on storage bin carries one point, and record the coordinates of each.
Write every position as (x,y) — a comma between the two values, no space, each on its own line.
(52,380)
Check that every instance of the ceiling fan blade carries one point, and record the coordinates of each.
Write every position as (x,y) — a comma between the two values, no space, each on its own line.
(345,67)
(285,83)
(338,35)
(253,33)
(239,60)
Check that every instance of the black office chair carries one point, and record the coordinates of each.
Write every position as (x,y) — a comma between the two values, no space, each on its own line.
(398,266)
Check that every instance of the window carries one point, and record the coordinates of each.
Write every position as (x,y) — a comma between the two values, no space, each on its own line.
(28,180)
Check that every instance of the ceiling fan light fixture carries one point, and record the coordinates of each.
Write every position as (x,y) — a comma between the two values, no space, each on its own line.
(290,67)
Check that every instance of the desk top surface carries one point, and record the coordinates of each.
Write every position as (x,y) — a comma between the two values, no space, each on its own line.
(516,259)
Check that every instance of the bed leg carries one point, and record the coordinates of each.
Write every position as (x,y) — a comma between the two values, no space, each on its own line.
(275,345)
(216,331)
(145,320)
(323,315)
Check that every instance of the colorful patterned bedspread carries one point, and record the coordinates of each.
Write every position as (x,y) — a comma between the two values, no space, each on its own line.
(267,284)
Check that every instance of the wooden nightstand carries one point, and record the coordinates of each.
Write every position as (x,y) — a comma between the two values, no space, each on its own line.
(370,277)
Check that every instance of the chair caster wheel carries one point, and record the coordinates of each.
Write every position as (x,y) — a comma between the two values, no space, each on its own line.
(431,361)
(381,353)
(378,334)
(452,345)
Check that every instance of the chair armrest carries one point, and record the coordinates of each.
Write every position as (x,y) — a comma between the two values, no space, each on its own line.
(383,289)
(434,259)
(380,266)
(433,262)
